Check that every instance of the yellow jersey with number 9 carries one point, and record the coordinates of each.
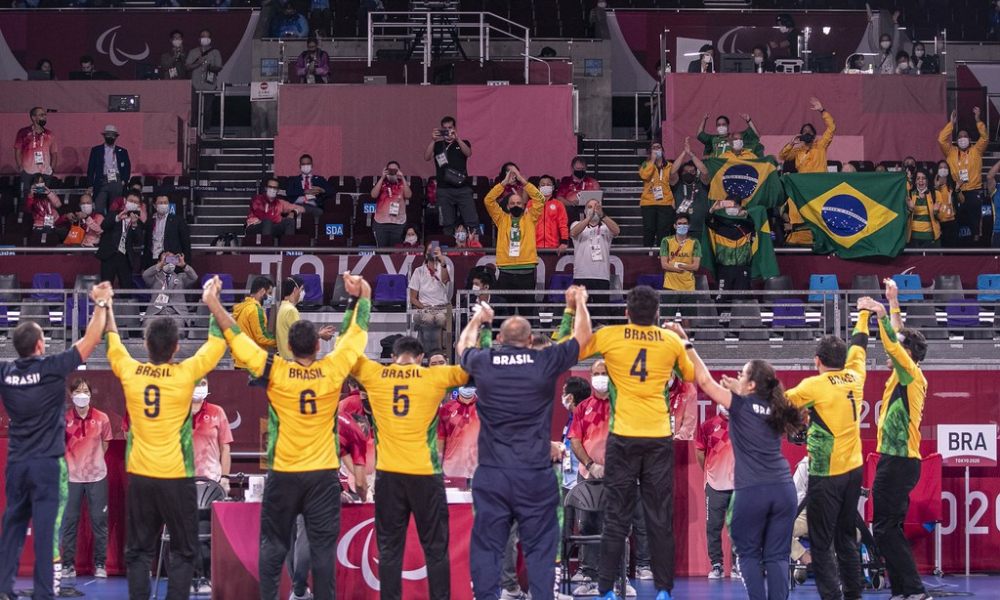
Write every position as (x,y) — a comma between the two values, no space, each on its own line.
(405,400)
(640,360)
(158,401)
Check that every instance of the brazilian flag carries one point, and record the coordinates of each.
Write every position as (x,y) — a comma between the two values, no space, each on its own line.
(752,181)
(718,247)
(852,214)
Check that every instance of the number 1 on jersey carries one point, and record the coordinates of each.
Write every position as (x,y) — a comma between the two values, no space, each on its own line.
(639,366)
(854,405)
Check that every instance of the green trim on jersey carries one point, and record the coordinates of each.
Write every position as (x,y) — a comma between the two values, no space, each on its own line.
(273,429)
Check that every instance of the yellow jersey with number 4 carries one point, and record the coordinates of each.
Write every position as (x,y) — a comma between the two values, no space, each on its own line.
(302,401)
(640,361)
(405,400)
(158,401)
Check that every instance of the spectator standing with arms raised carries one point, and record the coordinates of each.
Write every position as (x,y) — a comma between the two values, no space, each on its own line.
(809,155)
(690,189)
(966,162)
(451,154)
(592,237)
(35,150)
(657,201)
(553,228)
(392,195)
(722,142)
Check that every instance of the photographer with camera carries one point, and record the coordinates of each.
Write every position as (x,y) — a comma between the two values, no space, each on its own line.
(430,296)
(116,250)
(170,274)
(392,195)
(43,204)
(450,154)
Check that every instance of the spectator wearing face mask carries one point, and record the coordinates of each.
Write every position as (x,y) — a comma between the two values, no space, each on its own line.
(308,190)
(35,151)
(289,24)
(761,63)
(884,62)
(88,432)
(108,169)
(910,168)
(392,195)
(553,227)
(204,64)
(965,160)
(991,187)
(517,256)
(513,186)
(292,290)
(738,150)
(430,288)
(269,215)
(715,455)
(172,62)
(807,152)
(923,204)
(452,193)
(313,65)
(251,314)
(903,64)
(165,232)
(705,62)
(657,201)
(119,237)
(947,215)
(722,142)
(571,185)
(86,219)
(411,239)
(790,33)
(923,63)
(680,259)
(165,280)
(592,237)
(468,238)
(691,190)
(733,238)
(43,204)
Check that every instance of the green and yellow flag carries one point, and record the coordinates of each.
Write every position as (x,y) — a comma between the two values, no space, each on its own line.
(753,181)
(729,241)
(852,214)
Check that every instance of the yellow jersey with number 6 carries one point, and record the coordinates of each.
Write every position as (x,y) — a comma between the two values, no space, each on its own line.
(640,360)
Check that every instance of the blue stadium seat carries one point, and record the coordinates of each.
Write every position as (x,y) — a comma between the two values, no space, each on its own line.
(990,284)
(561,282)
(822,283)
(789,312)
(313,295)
(227,284)
(653,281)
(47,281)
(963,314)
(390,292)
(909,286)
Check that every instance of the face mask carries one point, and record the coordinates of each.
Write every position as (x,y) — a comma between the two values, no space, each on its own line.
(81,400)
(109,140)
(461,236)
(271,193)
(476,288)
(885,44)
(922,188)
(918,53)
(807,138)
(306,169)
(168,269)
(707,58)
(783,29)
(411,239)
(268,301)
(516,211)
(687,178)
(758,60)
(737,145)
(467,392)
(963,143)
(206,42)
(42,122)
(567,401)
(580,174)
(131,206)
(390,178)
(200,393)
(942,172)
(162,209)
(722,129)
(86,208)
(904,65)
(683,229)
(600,383)
(658,153)
(176,43)
(732,211)
(546,190)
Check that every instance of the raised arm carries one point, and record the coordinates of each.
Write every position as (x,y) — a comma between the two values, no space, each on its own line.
(98,322)
(483,314)
(490,201)
(702,169)
(581,324)
(858,349)
(892,295)
(984,136)
(944,138)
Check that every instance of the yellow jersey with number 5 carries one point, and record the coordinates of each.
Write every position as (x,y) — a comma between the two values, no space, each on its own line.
(405,400)
(640,360)
(158,401)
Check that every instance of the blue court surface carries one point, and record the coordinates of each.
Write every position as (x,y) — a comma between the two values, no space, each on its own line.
(687,588)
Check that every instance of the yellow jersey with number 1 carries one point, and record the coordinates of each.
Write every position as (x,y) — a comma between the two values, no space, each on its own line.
(158,401)
(640,361)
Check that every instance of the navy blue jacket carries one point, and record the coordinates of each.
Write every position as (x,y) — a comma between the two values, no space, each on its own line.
(293,188)
(96,177)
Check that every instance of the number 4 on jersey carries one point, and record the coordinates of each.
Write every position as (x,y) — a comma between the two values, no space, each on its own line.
(639,366)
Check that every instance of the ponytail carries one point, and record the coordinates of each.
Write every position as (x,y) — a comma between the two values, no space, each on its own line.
(784,418)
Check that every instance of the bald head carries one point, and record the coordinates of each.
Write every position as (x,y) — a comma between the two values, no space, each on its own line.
(515,331)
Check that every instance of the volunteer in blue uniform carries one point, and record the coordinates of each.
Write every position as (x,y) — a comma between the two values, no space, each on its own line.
(33,388)
(516,388)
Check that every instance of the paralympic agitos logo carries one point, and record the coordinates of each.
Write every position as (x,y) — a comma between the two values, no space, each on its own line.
(106,45)
(367,555)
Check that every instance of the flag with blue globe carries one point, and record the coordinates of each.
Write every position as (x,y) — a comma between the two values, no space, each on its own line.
(754,182)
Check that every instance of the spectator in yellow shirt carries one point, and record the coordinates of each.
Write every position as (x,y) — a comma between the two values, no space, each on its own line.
(809,153)
(251,314)
(965,160)
(738,151)
(657,201)
(291,293)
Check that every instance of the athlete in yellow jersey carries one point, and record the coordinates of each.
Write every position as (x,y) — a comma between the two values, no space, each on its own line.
(302,441)
(640,358)
(405,398)
(159,455)
(898,469)
(834,398)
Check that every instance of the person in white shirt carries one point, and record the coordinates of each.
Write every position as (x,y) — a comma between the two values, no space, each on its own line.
(430,296)
(592,236)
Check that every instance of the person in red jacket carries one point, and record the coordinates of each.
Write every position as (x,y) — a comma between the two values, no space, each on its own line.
(271,216)
(553,227)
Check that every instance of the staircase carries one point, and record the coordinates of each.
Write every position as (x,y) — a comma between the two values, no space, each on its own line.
(233,163)
(615,164)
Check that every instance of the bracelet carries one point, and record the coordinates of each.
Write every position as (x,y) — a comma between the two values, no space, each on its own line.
(688,346)
(894,311)
(588,465)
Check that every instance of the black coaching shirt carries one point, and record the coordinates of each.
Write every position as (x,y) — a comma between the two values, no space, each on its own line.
(34,395)
(516,390)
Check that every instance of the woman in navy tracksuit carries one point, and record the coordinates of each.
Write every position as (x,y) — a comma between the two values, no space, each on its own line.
(765,503)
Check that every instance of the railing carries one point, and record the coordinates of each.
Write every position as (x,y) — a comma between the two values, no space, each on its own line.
(481,25)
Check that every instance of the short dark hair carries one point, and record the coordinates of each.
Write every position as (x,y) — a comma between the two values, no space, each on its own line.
(302,339)
(162,338)
(435,352)
(260,283)
(132,193)
(643,304)
(86,58)
(31,112)
(761,47)
(176,32)
(832,352)
(484,277)
(309,156)
(447,120)
(724,118)
(915,342)
(706,48)
(903,54)
(312,40)
(577,159)
(689,164)
(206,30)
(682,215)
(78,381)
(578,387)
(392,162)
(289,284)
(26,336)
(549,177)
(407,345)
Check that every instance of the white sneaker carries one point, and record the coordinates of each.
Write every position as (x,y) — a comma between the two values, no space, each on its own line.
(644,573)
(716,572)
(308,595)
(588,588)
(579,577)
(735,573)
(203,587)
(68,573)
(100,573)
(629,591)
(518,594)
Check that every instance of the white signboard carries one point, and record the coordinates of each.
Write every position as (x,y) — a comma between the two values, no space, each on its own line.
(967,445)
(263,90)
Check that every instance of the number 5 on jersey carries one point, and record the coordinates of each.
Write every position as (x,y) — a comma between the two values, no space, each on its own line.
(400,401)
